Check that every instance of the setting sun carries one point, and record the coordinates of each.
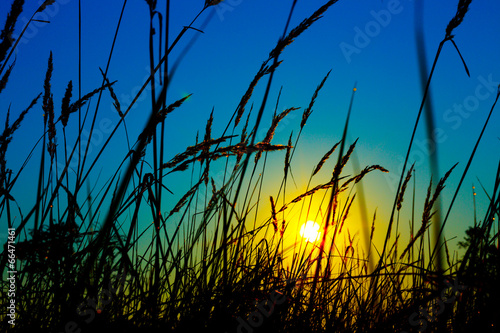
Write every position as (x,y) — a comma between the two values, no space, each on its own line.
(310,231)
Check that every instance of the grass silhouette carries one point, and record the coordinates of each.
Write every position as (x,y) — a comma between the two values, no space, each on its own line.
(224,268)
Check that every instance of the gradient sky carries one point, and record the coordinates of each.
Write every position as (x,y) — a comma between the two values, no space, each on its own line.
(368,42)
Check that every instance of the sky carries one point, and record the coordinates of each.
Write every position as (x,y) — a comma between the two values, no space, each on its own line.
(367,43)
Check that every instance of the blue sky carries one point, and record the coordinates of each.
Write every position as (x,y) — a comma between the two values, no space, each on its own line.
(368,42)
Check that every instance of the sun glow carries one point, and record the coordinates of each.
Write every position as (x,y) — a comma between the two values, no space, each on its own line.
(310,231)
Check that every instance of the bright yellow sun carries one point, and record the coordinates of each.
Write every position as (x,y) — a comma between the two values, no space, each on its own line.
(310,231)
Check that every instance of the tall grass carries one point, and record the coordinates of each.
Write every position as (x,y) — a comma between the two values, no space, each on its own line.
(223,266)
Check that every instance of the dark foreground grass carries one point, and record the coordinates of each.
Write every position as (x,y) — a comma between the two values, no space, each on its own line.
(221,267)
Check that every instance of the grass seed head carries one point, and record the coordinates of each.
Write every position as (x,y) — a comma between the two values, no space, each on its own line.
(46,87)
(44,5)
(6,35)
(65,109)
(463,7)
(403,187)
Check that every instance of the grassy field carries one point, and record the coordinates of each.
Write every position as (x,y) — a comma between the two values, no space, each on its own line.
(224,256)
